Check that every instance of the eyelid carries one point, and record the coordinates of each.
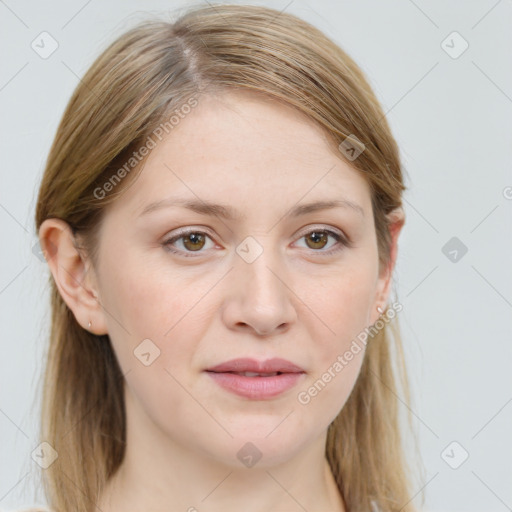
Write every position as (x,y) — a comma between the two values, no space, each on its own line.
(318,227)
(189,229)
(329,229)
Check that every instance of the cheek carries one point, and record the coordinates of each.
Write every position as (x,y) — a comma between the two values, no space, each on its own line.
(146,303)
(341,303)
(320,402)
(147,297)
(155,335)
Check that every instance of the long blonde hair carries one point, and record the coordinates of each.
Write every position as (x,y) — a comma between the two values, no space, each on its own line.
(132,89)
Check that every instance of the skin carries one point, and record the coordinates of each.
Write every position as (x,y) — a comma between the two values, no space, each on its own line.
(294,301)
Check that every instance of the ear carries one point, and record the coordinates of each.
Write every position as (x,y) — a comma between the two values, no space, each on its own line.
(73,274)
(396,221)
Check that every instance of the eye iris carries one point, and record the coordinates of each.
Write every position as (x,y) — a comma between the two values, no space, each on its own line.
(194,238)
(316,235)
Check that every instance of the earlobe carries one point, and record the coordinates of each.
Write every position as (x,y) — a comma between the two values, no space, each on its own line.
(73,278)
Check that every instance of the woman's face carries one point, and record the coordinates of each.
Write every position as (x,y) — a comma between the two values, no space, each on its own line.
(269,280)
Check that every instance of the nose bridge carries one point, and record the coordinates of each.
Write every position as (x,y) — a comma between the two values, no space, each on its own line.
(257,262)
(262,299)
(260,277)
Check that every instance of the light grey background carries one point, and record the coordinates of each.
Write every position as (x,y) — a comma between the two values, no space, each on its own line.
(452,120)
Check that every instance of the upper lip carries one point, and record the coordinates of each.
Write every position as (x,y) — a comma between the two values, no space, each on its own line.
(252,365)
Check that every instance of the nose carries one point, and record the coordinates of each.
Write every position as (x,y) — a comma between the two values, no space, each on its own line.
(259,299)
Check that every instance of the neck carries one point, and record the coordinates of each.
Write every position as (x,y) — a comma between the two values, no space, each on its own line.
(158,474)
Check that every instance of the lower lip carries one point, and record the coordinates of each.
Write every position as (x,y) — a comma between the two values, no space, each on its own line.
(256,388)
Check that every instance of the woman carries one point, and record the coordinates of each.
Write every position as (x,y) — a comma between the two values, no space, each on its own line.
(220,213)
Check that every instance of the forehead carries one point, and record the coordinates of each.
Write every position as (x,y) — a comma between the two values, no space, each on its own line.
(244,147)
(241,124)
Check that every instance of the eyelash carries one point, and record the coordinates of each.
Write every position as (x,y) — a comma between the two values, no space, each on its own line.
(342,242)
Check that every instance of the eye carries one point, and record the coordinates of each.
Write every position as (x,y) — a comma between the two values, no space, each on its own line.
(191,241)
(317,239)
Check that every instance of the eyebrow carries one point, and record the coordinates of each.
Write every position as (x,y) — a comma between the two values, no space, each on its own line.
(229,213)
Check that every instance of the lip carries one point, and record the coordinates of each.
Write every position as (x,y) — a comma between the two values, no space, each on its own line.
(256,388)
(252,365)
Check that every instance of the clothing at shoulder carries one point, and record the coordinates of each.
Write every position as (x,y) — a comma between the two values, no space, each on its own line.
(34,510)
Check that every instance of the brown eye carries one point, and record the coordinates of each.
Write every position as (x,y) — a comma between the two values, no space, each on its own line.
(188,242)
(193,241)
(318,239)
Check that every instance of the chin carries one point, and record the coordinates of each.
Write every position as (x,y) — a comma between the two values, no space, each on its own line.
(251,448)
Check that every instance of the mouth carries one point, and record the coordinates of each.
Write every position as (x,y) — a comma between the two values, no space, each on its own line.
(248,365)
(257,380)
(254,374)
